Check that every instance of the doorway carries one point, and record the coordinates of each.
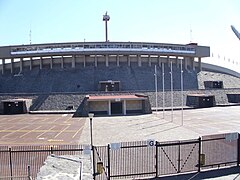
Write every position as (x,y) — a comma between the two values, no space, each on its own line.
(13,108)
(116,108)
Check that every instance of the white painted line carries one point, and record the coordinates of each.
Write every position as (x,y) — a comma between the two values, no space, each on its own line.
(61,131)
(15,131)
(45,132)
(30,131)
(77,132)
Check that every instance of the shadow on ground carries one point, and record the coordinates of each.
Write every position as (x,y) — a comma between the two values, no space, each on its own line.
(225,173)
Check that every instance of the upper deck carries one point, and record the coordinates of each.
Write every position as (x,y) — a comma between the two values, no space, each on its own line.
(102,48)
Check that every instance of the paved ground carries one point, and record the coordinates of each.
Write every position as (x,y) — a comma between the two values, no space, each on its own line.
(63,129)
(232,173)
(30,129)
(196,122)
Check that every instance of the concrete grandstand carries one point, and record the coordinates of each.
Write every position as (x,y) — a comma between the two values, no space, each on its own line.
(59,76)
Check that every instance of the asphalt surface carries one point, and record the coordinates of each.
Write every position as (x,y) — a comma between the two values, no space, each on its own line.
(27,129)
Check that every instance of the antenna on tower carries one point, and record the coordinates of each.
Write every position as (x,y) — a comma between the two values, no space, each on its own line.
(30,35)
(190,33)
(106,18)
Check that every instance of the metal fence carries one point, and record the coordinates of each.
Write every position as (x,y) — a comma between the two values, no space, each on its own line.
(153,159)
(17,161)
(220,149)
(138,159)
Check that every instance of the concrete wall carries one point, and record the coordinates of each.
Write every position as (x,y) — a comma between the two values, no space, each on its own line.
(87,79)
(134,105)
(62,101)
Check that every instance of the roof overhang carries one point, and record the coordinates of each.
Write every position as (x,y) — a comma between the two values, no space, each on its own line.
(115,97)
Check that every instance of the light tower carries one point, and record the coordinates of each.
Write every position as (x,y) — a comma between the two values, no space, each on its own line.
(106,18)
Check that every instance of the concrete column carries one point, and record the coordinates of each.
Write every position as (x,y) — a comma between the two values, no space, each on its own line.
(177,61)
(51,62)
(186,62)
(128,60)
(109,108)
(124,107)
(168,61)
(118,60)
(62,62)
(149,61)
(193,64)
(12,61)
(3,66)
(95,61)
(21,65)
(40,62)
(199,63)
(84,60)
(73,61)
(159,61)
(107,63)
(30,63)
(139,60)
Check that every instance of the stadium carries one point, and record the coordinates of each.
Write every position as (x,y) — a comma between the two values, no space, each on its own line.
(110,77)
(47,92)
(73,106)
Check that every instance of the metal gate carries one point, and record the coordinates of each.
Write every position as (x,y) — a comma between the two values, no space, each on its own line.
(125,160)
(132,160)
(141,159)
(178,156)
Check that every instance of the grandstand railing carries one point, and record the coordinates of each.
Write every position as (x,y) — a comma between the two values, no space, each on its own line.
(103,47)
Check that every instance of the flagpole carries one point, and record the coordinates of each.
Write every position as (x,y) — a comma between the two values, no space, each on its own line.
(156,88)
(163,91)
(182,91)
(171,91)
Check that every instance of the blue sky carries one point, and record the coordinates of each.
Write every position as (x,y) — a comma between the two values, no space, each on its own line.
(206,22)
(131,20)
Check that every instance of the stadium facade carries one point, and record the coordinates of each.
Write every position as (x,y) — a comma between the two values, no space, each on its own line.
(75,54)
(98,68)
(87,64)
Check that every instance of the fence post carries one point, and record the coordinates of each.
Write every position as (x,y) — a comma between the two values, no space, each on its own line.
(179,157)
(94,163)
(10,161)
(238,151)
(29,172)
(156,166)
(109,161)
(51,149)
(199,154)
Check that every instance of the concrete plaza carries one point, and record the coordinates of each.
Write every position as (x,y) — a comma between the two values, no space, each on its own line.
(167,126)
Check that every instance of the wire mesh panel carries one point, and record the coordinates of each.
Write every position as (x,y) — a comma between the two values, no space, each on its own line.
(168,153)
(177,156)
(132,160)
(22,156)
(220,149)
(14,161)
(189,155)
(4,161)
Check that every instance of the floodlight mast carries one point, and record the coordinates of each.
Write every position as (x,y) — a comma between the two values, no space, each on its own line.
(106,18)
